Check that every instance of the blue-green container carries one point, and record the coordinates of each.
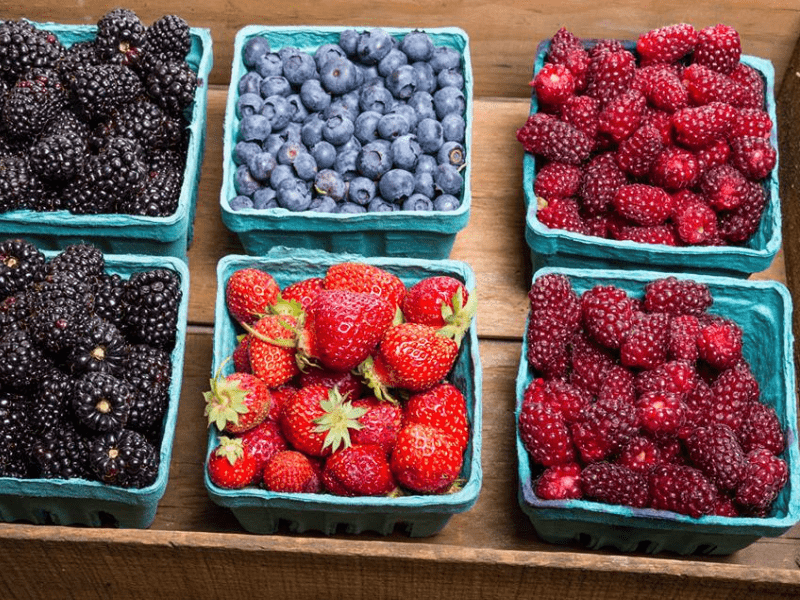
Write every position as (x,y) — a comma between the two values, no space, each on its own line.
(764,311)
(558,247)
(418,234)
(262,511)
(92,503)
(118,233)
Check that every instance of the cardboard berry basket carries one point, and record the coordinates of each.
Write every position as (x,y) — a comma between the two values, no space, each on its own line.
(262,511)
(93,503)
(120,233)
(564,248)
(419,234)
(763,309)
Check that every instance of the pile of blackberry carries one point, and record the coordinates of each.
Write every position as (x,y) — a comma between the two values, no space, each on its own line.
(98,127)
(85,365)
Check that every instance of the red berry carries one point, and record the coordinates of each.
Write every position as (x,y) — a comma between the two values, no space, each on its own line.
(751,122)
(303,291)
(682,489)
(698,126)
(590,364)
(677,296)
(230,465)
(361,470)
(763,480)
(666,44)
(349,386)
(367,279)
(751,86)
(552,293)
(544,434)
(715,450)
(720,344)
(696,223)
(443,407)
(654,234)
(706,85)
(607,314)
(661,412)
(237,402)
(621,116)
(675,377)
(718,47)
(644,344)
(560,213)
(426,459)
(290,471)
(637,154)
(548,344)
(559,482)
(614,484)
(380,424)
(249,293)
(264,441)
(606,427)
(761,428)
(683,332)
(602,178)
(570,401)
(640,455)
(435,301)
(738,225)
(611,70)
(557,180)
(674,169)
(724,187)
(664,89)
(645,204)
(582,113)
(546,136)
(553,84)
(755,157)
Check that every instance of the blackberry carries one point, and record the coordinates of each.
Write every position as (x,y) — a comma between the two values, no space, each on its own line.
(168,38)
(19,185)
(32,102)
(24,47)
(66,122)
(124,458)
(109,300)
(78,55)
(61,286)
(160,195)
(21,265)
(171,84)
(22,362)
(120,36)
(14,436)
(56,326)
(49,408)
(58,158)
(99,90)
(147,411)
(62,453)
(85,195)
(149,370)
(102,402)
(99,348)
(85,261)
(153,298)
(14,312)
(147,123)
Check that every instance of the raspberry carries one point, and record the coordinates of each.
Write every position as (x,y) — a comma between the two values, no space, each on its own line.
(750,122)
(547,344)
(621,115)
(677,296)
(716,452)
(716,153)
(674,169)
(724,187)
(582,113)
(607,313)
(590,364)
(683,198)
(720,344)
(640,455)
(601,179)
(660,412)
(705,85)
(644,345)
(761,429)
(725,507)
(567,399)
(607,426)
(732,390)
(637,154)
(666,44)
(618,384)
(698,126)
(683,332)
(610,72)
(645,204)
(553,84)
(562,44)
(661,121)
(740,224)
(755,157)
(597,225)
(553,293)
(557,180)
(545,435)
(675,377)
(656,234)
(696,223)
(560,213)
(559,482)
(718,48)
(663,87)
(552,139)
(681,489)
(751,86)
(614,484)
(765,477)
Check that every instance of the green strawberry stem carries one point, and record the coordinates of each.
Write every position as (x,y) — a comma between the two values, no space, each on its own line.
(370,374)
(283,343)
(339,418)
(459,318)
(225,401)
(230,448)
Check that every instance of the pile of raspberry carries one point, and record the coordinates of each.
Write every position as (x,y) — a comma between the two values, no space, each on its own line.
(665,144)
(646,402)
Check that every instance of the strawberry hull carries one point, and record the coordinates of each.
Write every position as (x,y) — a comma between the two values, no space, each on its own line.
(265,512)
(763,309)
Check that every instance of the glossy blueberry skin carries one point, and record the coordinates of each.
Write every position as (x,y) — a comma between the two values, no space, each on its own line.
(408,112)
(269,65)
(361,190)
(240,203)
(370,74)
(289,151)
(450,78)
(249,83)
(426,78)
(291,133)
(449,100)
(261,165)
(324,153)
(315,98)
(430,135)
(417,45)
(375,159)
(329,183)
(452,153)
(326,52)
(337,130)
(391,126)
(446,202)
(391,61)
(273,143)
(293,194)
(275,85)
(375,98)
(338,76)
(264,198)
(346,165)
(278,111)
(351,145)
(373,45)
(287,51)
(378,204)
(305,167)
(405,152)
(297,108)
(422,103)
(348,41)
(344,106)
(427,163)
(444,57)
(350,207)
(248,104)
(366,126)
(254,128)
(423,184)
(243,182)
(298,66)
(454,128)
(396,185)
(402,82)
(448,179)
(256,47)
(311,132)
(322,204)
(417,202)
(280,173)
(243,150)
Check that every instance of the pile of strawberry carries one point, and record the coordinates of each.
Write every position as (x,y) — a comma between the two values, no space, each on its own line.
(646,401)
(665,145)
(339,384)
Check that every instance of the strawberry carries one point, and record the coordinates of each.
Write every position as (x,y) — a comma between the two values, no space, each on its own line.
(272,352)
(241,355)
(426,459)
(553,84)
(280,396)
(666,44)
(350,386)
(361,470)
(249,293)
(436,301)
(443,407)
(303,291)
(263,441)
(718,47)
(291,472)
(380,424)
(560,213)
(559,482)
(237,402)
(230,465)
(369,279)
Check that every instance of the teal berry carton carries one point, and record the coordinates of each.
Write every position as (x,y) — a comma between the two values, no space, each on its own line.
(262,511)
(763,309)
(421,233)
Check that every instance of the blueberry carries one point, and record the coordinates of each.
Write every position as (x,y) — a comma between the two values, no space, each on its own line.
(330,183)
(417,202)
(261,165)
(448,179)
(280,173)
(338,76)
(445,58)
(422,103)
(450,78)
(269,65)
(289,151)
(248,104)
(392,126)
(417,45)
(277,110)
(305,167)
(396,185)
(326,52)
(430,135)
(273,143)
(346,165)
(254,128)
(405,152)
(427,163)
(426,78)
(373,45)
(298,66)
(370,73)
(243,150)
(451,153)
(255,48)
(446,202)
(423,183)
(291,133)
(311,132)
(375,159)
(323,204)
(275,85)
(408,112)
(391,61)
(238,203)
(287,51)
(402,82)
(296,108)
(361,190)
(375,98)
(250,83)
(351,145)
(348,41)
(313,96)
(265,198)
(343,106)
(243,182)
(454,128)
(366,126)
(378,204)
(350,207)
(337,130)
(293,194)
(449,100)
(324,153)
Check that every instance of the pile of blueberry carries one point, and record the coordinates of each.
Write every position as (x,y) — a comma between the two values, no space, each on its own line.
(369,124)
